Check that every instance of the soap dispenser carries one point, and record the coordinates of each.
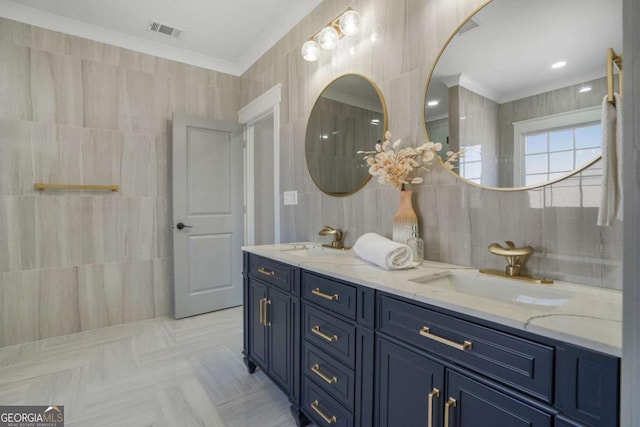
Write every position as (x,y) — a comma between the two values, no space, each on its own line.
(417,245)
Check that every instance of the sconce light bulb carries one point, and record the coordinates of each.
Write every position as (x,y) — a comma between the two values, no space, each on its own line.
(310,50)
(328,38)
(350,22)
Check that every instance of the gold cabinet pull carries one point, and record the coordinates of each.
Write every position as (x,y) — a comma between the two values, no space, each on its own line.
(328,420)
(266,313)
(426,332)
(265,272)
(316,330)
(262,300)
(451,403)
(434,393)
(316,370)
(321,294)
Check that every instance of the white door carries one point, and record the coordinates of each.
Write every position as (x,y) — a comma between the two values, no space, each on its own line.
(207,215)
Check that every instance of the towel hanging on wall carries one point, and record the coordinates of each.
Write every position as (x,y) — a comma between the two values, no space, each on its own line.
(611,196)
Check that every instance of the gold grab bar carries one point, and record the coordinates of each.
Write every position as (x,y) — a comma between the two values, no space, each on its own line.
(328,420)
(265,272)
(316,330)
(434,393)
(451,403)
(42,186)
(613,59)
(426,332)
(316,370)
(321,294)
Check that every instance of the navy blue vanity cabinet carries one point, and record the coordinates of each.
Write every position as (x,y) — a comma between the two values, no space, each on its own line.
(468,402)
(587,386)
(410,387)
(272,319)
(337,348)
(494,375)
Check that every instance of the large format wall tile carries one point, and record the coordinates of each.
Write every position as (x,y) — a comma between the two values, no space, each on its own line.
(19,300)
(100,295)
(458,221)
(56,88)
(81,112)
(17,233)
(100,95)
(15,87)
(138,302)
(15,157)
(58,307)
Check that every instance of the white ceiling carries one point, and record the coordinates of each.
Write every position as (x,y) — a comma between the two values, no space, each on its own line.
(223,35)
(509,55)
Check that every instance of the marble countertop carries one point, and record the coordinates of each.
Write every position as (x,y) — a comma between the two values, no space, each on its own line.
(591,318)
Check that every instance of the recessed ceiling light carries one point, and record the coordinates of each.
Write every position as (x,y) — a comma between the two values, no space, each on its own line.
(559,64)
(375,122)
(433,103)
(584,89)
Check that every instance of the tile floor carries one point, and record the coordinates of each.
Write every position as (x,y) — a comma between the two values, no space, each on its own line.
(159,372)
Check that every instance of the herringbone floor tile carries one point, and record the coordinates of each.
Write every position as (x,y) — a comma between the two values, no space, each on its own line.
(160,372)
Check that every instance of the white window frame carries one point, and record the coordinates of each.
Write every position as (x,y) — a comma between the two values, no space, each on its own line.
(573,118)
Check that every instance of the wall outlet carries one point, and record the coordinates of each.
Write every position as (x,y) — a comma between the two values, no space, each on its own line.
(290,197)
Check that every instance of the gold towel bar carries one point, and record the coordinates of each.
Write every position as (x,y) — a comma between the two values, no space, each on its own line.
(41,186)
(613,59)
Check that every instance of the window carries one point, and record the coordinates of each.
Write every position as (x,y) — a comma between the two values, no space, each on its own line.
(550,147)
(470,163)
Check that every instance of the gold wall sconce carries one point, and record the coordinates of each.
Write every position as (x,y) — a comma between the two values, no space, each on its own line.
(346,24)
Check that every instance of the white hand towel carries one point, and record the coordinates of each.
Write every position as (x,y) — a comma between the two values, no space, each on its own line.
(611,196)
(381,251)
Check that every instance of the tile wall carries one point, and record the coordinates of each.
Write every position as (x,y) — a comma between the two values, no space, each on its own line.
(458,221)
(75,111)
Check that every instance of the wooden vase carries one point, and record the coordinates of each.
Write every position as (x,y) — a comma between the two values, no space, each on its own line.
(405,217)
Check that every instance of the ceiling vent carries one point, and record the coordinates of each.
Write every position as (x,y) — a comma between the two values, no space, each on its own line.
(159,27)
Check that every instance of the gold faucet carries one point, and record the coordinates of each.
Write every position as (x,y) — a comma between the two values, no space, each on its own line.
(338,237)
(516,257)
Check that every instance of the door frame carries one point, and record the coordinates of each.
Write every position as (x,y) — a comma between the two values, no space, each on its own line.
(263,105)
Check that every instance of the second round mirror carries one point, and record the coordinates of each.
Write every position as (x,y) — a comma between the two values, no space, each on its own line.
(520,88)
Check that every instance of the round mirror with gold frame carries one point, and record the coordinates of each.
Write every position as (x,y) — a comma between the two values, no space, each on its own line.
(350,115)
(519,86)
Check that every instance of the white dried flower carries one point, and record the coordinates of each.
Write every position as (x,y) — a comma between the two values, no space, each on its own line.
(395,167)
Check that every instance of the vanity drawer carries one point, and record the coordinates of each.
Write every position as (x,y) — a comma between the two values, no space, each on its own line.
(334,336)
(331,294)
(271,272)
(322,408)
(526,365)
(329,374)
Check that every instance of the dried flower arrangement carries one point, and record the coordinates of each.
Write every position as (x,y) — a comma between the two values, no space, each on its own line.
(398,168)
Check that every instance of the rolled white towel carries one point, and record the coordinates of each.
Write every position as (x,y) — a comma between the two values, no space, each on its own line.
(381,251)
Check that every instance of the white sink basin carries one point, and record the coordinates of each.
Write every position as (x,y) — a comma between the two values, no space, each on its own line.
(512,291)
(308,250)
